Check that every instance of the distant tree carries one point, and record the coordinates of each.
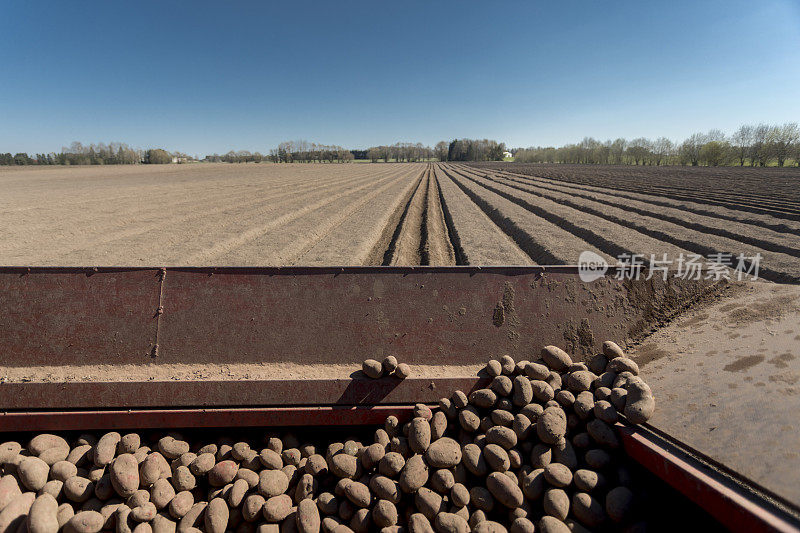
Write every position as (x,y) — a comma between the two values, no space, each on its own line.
(741,142)
(713,153)
(690,149)
(22,158)
(781,140)
(157,156)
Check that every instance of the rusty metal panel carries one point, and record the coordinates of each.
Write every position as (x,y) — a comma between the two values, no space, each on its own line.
(77,316)
(421,315)
(146,394)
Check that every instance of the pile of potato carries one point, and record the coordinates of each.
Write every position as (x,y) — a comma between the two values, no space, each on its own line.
(535,451)
(389,367)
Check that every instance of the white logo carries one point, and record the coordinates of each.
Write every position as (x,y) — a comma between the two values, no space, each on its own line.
(591,266)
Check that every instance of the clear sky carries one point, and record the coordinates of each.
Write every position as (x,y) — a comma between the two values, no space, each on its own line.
(203,77)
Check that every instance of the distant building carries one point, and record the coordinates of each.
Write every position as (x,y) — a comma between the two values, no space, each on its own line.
(507,155)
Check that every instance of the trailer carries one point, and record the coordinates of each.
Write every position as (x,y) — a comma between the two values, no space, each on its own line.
(210,348)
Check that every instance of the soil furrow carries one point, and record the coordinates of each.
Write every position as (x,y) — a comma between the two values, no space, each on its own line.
(219,248)
(773,267)
(722,213)
(179,229)
(546,243)
(708,224)
(477,239)
(567,222)
(408,246)
(317,227)
(362,239)
(439,247)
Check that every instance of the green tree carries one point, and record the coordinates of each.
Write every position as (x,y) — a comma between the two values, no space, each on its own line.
(157,156)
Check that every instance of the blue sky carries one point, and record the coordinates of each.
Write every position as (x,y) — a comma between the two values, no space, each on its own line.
(204,77)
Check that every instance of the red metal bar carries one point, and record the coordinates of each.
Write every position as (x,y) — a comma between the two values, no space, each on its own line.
(213,393)
(728,506)
(201,418)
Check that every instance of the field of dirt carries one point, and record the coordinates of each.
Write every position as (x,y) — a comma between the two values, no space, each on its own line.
(394,214)
(648,210)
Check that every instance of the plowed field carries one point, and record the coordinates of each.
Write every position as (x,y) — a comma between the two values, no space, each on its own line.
(394,214)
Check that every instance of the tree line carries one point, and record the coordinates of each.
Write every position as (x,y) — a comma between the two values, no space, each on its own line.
(751,145)
(95,154)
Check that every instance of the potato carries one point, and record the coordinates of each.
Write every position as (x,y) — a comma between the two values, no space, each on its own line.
(53,487)
(418,523)
(451,523)
(305,488)
(639,402)
(402,371)
(193,518)
(552,425)
(78,489)
(316,465)
(419,435)
(587,510)
(580,381)
(556,358)
(488,526)
(216,516)
(33,473)
(42,516)
(443,453)
(385,488)
(360,521)
(522,391)
(13,514)
(602,434)
(272,483)
(556,503)
(129,443)
(469,419)
(623,364)
(494,368)
(144,512)
(85,522)
(9,489)
(124,474)
(384,514)
(8,451)
(414,474)
(504,489)
(542,390)
(389,364)
(429,502)
(496,457)
(45,441)
(619,503)
(597,459)
(181,504)
(358,493)
(307,517)
(222,473)
(106,448)
(151,469)
(558,475)
(172,448)
(163,524)
(182,479)
(474,460)
(372,368)
(344,465)
(551,524)
(612,350)
(502,436)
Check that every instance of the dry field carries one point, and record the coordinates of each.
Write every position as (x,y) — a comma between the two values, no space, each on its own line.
(394,214)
